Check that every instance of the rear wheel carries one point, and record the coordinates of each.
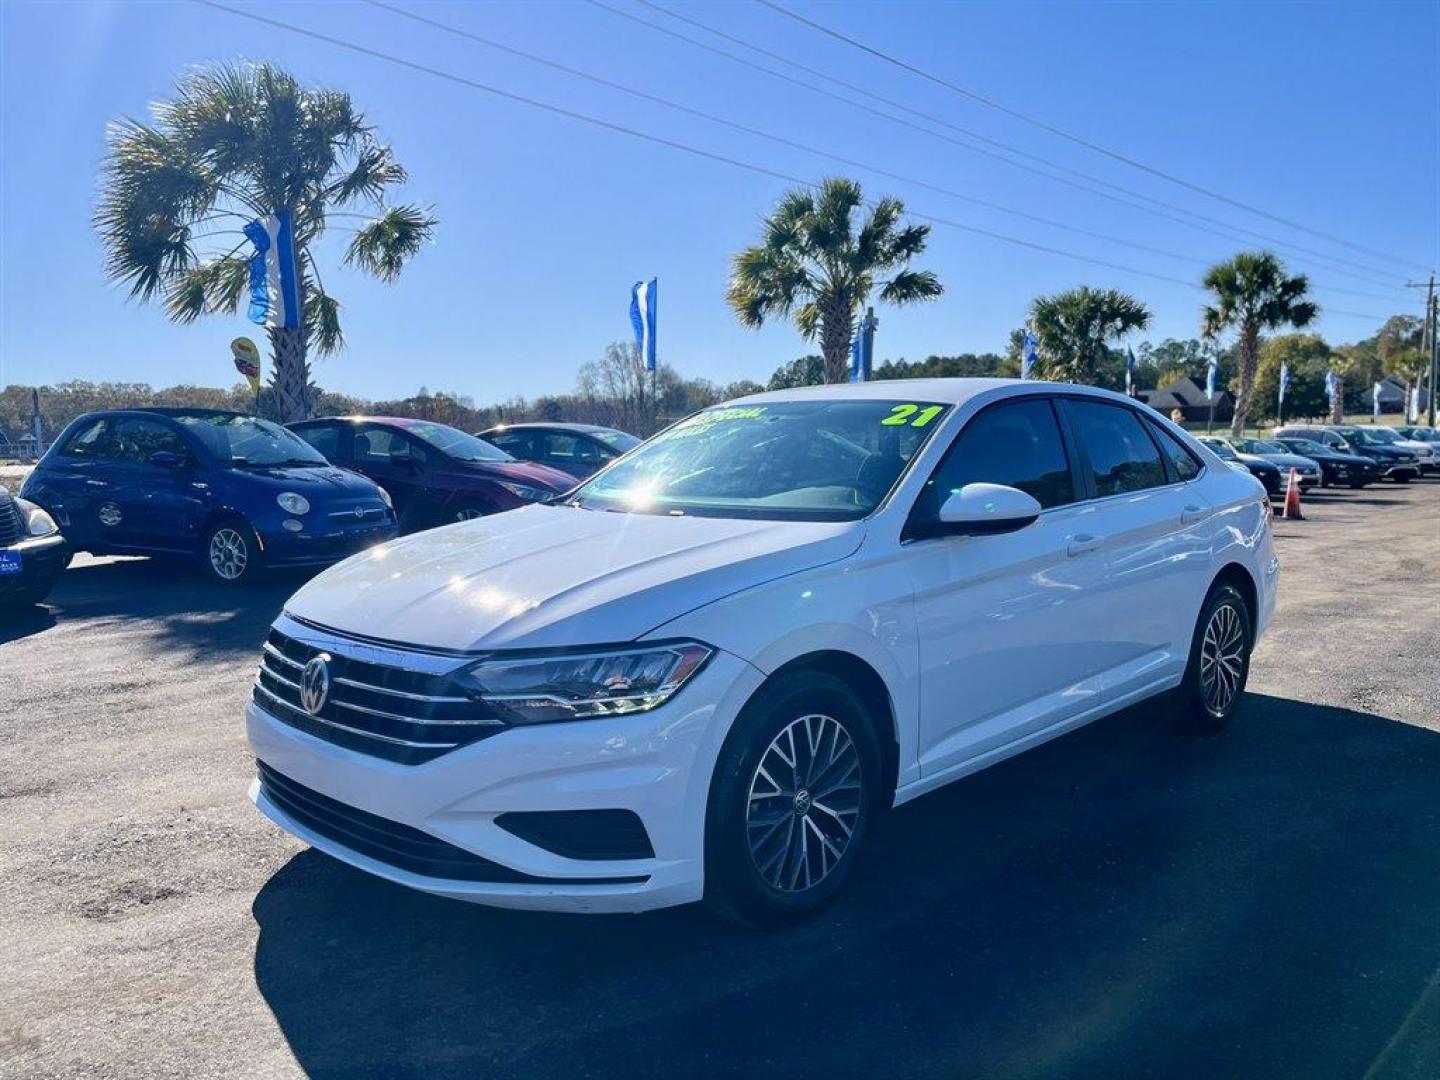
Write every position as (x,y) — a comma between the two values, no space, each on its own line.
(231,552)
(796,789)
(1219,663)
(466,512)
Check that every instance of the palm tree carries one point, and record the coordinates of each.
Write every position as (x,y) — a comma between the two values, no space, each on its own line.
(1253,295)
(816,266)
(1074,328)
(240,142)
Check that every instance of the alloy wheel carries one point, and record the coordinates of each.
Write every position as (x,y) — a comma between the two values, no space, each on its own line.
(804,802)
(467,513)
(229,553)
(1222,659)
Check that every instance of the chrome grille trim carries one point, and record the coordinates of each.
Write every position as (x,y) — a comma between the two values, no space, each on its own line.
(405,706)
(357,731)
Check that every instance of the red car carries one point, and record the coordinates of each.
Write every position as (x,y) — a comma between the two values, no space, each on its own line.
(434,473)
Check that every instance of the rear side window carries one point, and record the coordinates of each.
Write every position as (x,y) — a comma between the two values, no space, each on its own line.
(1181,459)
(89,441)
(1017,444)
(1122,457)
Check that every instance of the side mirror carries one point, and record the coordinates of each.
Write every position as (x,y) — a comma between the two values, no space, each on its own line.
(982,509)
(166,459)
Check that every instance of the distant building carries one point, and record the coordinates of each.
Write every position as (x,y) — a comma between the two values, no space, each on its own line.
(1190,398)
(1392,396)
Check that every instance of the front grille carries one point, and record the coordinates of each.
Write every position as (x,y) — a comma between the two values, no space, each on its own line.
(12,528)
(390,711)
(394,844)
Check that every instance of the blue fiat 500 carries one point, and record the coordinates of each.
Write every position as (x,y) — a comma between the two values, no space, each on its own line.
(237,493)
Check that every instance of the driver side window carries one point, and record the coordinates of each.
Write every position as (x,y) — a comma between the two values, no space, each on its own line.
(1014,443)
(381,446)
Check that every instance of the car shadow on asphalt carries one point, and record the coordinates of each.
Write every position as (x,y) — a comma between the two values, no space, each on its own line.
(1120,901)
(21,621)
(181,606)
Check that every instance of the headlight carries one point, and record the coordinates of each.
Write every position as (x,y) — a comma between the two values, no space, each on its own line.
(37,521)
(524,491)
(386,496)
(538,689)
(292,503)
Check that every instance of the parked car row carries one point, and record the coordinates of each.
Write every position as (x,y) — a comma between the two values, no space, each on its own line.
(240,494)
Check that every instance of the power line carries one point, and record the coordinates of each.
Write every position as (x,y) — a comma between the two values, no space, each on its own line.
(783,141)
(1076,139)
(474,84)
(1336,264)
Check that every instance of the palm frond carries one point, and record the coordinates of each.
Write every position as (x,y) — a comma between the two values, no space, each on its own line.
(374,170)
(383,246)
(212,287)
(912,286)
(322,320)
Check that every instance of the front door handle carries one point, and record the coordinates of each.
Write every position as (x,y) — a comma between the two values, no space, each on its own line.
(1081,543)
(96,483)
(1191,513)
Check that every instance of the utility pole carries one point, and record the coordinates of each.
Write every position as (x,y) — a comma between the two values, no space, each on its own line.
(1432,326)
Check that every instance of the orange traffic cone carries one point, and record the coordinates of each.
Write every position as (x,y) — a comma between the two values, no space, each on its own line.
(1292,498)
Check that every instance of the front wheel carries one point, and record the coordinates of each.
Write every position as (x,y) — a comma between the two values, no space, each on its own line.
(796,789)
(231,553)
(1219,662)
(466,512)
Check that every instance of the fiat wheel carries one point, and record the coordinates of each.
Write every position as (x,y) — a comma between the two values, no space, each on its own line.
(796,788)
(231,553)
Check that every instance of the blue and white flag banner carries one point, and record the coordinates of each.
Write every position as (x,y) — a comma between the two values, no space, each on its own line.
(274,277)
(1284,381)
(1210,371)
(643,298)
(1412,412)
(1375,397)
(1028,354)
(1130,365)
(1332,386)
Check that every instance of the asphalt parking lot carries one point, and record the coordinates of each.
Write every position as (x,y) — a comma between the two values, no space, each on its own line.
(1120,902)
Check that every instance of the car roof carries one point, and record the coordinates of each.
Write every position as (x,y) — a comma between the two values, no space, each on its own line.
(558,425)
(941,391)
(163,410)
(398,421)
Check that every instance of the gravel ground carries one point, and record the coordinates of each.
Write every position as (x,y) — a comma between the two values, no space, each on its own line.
(1119,902)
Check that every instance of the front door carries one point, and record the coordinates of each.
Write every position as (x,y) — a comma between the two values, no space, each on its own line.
(400,465)
(159,506)
(1005,622)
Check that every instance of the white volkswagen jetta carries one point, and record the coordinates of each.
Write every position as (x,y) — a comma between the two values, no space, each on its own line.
(706,670)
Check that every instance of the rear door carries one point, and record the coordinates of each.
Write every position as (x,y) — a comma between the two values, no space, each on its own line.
(1148,531)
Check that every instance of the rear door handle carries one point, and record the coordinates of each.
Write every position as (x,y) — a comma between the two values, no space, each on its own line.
(1081,543)
(1191,513)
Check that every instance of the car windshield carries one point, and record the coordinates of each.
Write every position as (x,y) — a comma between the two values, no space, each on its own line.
(456,443)
(617,440)
(1370,436)
(1221,449)
(248,440)
(786,460)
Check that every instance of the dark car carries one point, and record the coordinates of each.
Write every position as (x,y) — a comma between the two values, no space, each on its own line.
(1394,463)
(32,551)
(1335,467)
(1262,470)
(578,449)
(238,493)
(1307,470)
(434,473)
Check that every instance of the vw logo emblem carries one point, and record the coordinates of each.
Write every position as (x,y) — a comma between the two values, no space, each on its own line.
(359,511)
(315,684)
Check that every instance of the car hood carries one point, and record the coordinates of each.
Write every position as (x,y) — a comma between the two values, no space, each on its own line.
(547,576)
(322,481)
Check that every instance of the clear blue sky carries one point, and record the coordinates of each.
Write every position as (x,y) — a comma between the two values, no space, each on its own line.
(1326,114)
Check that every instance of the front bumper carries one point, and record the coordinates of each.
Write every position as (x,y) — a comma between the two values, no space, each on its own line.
(42,559)
(657,765)
(328,545)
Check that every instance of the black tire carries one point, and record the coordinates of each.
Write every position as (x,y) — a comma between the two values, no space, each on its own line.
(740,882)
(230,553)
(1356,485)
(1205,706)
